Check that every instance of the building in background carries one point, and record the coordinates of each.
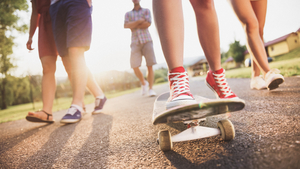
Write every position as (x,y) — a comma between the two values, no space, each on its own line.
(198,68)
(281,45)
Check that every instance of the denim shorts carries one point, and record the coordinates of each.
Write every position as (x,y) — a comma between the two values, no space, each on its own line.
(138,51)
(71,24)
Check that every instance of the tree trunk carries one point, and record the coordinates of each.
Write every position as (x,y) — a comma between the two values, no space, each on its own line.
(3,94)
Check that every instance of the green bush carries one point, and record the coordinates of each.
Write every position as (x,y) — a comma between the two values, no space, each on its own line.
(160,80)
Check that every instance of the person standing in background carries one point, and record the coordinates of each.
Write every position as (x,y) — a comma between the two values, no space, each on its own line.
(138,20)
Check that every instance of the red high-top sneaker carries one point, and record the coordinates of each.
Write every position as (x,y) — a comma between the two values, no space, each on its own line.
(179,89)
(216,81)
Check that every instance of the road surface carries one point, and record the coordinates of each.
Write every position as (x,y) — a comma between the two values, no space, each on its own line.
(267,135)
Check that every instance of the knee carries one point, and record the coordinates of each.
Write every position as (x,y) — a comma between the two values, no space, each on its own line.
(202,5)
(251,26)
(49,69)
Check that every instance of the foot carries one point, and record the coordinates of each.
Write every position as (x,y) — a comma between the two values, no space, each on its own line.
(145,88)
(73,115)
(216,81)
(99,103)
(40,116)
(273,79)
(258,83)
(151,93)
(179,89)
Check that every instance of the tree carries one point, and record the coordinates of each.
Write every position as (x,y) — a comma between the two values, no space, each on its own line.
(224,56)
(8,23)
(236,51)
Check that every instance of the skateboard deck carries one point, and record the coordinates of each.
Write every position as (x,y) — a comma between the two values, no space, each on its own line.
(203,108)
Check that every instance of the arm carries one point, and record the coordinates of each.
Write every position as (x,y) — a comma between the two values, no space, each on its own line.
(147,21)
(133,24)
(144,25)
(33,24)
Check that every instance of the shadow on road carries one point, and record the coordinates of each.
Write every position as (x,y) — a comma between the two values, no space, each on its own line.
(68,146)
(50,151)
(97,143)
(11,142)
(212,153)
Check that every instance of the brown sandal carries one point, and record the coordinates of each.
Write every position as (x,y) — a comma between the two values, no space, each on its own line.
(38,120)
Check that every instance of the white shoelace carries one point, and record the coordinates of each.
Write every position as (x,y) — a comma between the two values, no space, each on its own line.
(180,84)
(222,84)
(72,111)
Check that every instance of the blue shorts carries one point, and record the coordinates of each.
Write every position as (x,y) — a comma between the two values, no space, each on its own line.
(71,24)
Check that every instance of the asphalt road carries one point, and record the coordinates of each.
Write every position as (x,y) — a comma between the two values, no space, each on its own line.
(267,135)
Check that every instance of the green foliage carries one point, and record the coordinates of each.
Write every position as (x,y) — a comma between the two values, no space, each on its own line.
(237,51)
(224,56)
(160,75)
(17,90)
(8,15)
(8,23)
(160,80)
(290,67)
(20,111)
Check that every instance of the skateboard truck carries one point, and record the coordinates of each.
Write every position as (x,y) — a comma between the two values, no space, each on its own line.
(225,129)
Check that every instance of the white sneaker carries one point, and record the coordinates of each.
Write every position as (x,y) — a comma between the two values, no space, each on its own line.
(152,93)
(145,88)
(180,93)
(258,83)
(273,79)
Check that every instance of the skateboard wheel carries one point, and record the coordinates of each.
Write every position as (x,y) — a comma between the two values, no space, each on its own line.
(227,130)
(164,139)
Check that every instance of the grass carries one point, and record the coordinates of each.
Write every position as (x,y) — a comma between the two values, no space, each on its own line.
(288,64)
(17,112)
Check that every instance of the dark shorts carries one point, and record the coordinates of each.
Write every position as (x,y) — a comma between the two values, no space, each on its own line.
(71,24)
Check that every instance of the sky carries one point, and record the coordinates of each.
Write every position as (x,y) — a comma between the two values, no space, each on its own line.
(110,48)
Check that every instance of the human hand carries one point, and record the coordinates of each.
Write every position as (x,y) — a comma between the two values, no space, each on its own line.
(141,20)
(28,44)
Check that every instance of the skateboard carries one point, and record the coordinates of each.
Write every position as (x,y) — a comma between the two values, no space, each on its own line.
(192,115)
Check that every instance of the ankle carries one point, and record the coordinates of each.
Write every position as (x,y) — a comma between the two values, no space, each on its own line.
(178,69)
(219,71)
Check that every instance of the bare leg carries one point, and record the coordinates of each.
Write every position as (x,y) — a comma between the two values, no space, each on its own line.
(91,83)
(169,23)
(93,86)
(67,66)
(79,74)
(139,75)
(247,17)
(48,86)
(208,31)
(260,9)
(68,69)
(150,76)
